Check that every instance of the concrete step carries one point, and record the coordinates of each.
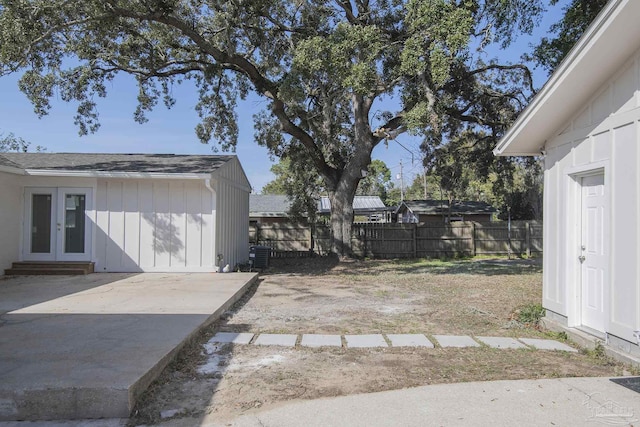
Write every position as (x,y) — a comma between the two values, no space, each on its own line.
(30,268)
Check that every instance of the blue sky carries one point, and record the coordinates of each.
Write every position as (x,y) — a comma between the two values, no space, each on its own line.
(172,131)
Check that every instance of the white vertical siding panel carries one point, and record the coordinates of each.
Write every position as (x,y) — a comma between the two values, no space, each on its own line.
(208,246)
(178,224)
(601,106)
(147,221)
(624,253)
(232,216)
(601,146)
(624,90)
(581,152)
(115,241)
(584,119)
(162,228)
(131,256)
(102,226)
(562,213)
(193,230)
(551,280)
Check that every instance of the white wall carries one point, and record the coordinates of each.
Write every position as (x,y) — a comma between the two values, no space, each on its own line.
(604,134)
(154,225)
(10,219)
(232,214)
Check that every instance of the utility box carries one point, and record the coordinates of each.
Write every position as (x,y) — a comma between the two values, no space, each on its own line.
(259,256)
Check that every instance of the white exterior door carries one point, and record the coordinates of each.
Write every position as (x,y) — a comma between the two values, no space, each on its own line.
(594,255)
(56,226)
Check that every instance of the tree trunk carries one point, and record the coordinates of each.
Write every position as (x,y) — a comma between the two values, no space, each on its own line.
(341,196)
(341,222)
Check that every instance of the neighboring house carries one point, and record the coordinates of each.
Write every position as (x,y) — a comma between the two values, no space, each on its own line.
(586,123)
(365,209)
(124,212)
(272,209)
(437,211)
(269,209)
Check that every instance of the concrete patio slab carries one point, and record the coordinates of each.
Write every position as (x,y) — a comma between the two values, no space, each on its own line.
(320,340)
(283,340)
(365,341)
(409,340)
(501,342)
(77,347)
(541,344)
(457,341)
(232,338)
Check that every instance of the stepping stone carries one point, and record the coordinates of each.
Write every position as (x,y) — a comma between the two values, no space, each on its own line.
(501,342)
(319,340)
(283,340)
(547,344)
(232,337)
(365,341)
(455,341)
(409,340)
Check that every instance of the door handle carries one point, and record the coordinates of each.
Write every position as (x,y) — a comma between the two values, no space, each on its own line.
(581,258)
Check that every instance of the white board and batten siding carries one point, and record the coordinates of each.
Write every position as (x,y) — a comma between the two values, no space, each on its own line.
(602,138)
(231,214)
(173,224)
(154,225)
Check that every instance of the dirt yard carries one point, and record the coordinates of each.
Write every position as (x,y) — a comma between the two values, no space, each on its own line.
(472,297)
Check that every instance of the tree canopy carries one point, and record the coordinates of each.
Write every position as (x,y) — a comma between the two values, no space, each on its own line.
(577,16)
(11,142)
(339,77)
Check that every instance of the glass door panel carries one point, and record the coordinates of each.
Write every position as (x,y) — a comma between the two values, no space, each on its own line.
(41,223)
(74,223)
(73,238)
(39,232)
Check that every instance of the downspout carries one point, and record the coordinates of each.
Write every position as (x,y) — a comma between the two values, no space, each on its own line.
(218,257)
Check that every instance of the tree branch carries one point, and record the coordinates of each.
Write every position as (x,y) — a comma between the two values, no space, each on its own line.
(235,63)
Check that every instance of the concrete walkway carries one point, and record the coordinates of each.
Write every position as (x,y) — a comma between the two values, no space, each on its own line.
(564,402)
(386,340)
(88,346)
(567,402)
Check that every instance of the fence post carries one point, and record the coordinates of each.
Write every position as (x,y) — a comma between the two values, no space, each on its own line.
(415,240)
(473,239)
(257,234)
(527,238)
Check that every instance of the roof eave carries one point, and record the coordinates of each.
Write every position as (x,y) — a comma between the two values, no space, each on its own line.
(13,170)
(107,174)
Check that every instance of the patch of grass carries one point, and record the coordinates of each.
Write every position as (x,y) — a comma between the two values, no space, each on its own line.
(559,336)
(529,314)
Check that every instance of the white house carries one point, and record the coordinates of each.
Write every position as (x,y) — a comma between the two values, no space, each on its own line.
(586,123)
(124,212)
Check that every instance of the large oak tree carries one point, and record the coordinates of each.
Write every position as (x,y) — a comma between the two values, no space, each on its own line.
(339,77)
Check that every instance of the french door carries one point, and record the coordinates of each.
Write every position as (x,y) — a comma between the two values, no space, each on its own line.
(56,224)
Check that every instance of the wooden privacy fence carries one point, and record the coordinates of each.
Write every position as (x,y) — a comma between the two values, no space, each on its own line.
(388,240)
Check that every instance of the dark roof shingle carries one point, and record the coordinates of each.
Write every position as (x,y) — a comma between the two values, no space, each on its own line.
(269,204)
(143,163)
(437,207)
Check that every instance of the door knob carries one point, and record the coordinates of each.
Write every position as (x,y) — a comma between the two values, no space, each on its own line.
(581,258)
